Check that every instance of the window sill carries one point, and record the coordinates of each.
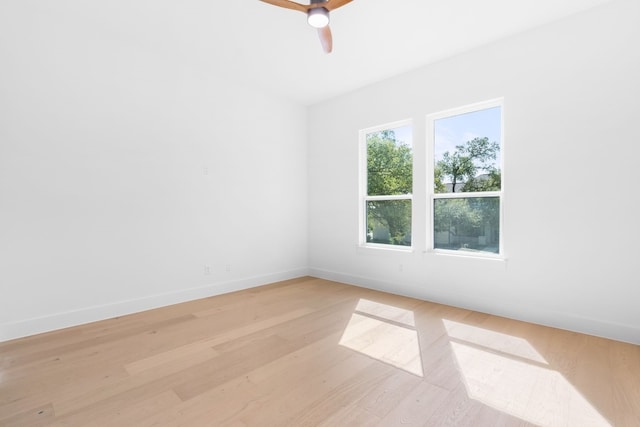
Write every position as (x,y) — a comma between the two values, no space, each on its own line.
(378,249)
(466,254)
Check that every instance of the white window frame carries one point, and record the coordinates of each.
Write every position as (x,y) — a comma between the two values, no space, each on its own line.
(365,198)
(432,195)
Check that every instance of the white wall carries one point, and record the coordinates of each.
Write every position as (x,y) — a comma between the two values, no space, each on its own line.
(123,174)
(572,234)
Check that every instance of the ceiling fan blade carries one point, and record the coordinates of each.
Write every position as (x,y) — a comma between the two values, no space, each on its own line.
(325,39)
(334,4)
(288,5)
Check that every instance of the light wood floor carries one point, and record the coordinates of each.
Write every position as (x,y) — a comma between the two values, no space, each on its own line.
(313,352)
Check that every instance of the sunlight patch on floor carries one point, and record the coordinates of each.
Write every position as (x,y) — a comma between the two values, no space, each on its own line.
(387,312)
(384,333)
(503,372)
(493,340)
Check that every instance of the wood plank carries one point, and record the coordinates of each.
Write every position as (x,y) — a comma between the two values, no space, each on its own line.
(315,352)
(120,412)
(36,417)
(417,407)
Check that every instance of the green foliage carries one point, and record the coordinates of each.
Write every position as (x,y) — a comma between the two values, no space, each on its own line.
(389,165)
(469,168)
(492,181)
(463,166)
(389,172)
(468,221)
(456,213)
(393,216)
(438,175)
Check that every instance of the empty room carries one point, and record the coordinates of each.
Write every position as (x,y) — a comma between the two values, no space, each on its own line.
(320,213)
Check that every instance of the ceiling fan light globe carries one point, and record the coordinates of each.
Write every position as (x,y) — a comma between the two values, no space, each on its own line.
(318,17)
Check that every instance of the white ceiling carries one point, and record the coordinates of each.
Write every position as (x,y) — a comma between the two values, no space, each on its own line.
(275,50)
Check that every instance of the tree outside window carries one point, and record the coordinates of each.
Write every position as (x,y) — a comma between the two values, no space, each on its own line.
(467,179)
(389,186)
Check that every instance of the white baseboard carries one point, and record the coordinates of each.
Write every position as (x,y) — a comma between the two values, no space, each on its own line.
(24,328)
(567,321)
(526,313)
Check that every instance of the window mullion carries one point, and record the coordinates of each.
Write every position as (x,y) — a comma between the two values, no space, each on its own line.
(396,197)
(467,195)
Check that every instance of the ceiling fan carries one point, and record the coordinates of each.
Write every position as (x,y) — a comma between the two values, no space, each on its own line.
(317,16)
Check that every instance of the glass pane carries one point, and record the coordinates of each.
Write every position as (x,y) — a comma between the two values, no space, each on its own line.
(389,222)
(467,152)
(390,162)
(469,224)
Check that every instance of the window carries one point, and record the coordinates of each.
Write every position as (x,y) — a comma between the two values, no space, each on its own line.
(466,195)
(386,185)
